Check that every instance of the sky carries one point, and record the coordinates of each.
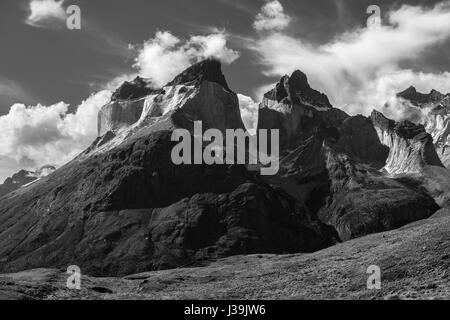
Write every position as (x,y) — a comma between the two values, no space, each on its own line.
(53,80)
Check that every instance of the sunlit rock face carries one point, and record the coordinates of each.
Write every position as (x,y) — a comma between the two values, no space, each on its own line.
(411,147)
(435,110)
(437,124)
(117,115)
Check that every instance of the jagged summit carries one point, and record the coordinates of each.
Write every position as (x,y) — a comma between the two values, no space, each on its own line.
(296,90)
(131,90)
(200,91)
(206,70)
(421,99)
(405,129)
(380,121)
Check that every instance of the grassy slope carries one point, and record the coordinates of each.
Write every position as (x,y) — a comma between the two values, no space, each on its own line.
(415,264)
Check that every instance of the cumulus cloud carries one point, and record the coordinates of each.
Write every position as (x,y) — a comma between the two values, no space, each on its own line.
(33,136)
(249,112)
(43,12)
(164,56)
(271,17)
(356,68)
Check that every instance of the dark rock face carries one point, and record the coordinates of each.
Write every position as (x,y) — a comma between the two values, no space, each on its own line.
(339,182)
(296,90)
(421,99)
(135,89)
(208,70)
(363,201)
(359,139)
(131,209)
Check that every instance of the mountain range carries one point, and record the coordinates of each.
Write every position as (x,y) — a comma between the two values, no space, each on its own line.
(122,206)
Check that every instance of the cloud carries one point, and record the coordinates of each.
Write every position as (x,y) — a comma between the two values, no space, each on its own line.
(354,68)
(164,56)
(271,17)
(44,12)
(381,93)
(11,92)
(249,112)
(34,136)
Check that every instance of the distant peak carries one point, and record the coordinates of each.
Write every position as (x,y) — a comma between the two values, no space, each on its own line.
(299,81)
(418,98)
(410,90)
(206,70)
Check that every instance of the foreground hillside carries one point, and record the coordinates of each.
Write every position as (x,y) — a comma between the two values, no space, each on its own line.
(414,261)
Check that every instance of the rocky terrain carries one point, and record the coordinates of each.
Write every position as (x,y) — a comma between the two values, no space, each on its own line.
(351,191)
(414,262)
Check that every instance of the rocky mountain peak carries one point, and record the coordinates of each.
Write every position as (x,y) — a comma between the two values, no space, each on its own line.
(135,89)
(380,121)
(420,99)
(295,89)
(206,70)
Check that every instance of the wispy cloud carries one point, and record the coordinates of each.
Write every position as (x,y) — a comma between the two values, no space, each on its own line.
(352,67)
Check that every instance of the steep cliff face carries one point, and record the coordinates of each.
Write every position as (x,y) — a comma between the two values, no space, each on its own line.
(124,207)
(411,147)
(117,115)
(437,123)
(435,108)
(363,200)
